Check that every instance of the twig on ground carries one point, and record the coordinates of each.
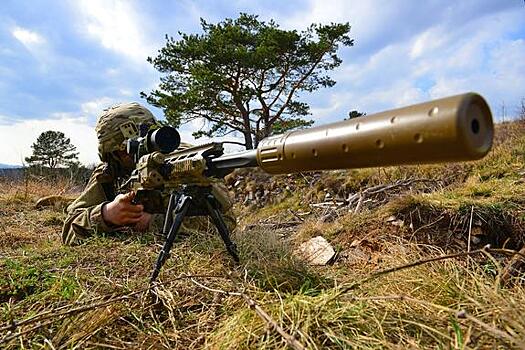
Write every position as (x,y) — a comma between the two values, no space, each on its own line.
(377,274)
(296,215)
(427,225)
(362,196)
(214,290)
(9,337)
(290,339)
(86,306)
(461,314)
(470,228)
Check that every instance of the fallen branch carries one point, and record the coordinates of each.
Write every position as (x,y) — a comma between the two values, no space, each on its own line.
(85,306)
(213,290)
(362,196)
(374,190)
(290,339)
(374,275)
(16,335)
(330,205)
(296,215)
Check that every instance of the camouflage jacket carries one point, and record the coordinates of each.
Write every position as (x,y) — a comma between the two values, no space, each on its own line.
(85,219)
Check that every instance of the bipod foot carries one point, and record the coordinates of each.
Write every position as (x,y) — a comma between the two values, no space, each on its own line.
(153,295)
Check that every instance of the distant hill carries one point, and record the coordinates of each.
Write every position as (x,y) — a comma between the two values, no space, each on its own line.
(9,166)
(11,171)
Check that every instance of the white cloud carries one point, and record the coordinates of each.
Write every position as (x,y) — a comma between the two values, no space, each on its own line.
(428,41)
(18,135)
(17,138)
(27,37)
(126,92)
(113,72)
(441,59)
(117,26)
(197,124)
(94,107)
(38,46)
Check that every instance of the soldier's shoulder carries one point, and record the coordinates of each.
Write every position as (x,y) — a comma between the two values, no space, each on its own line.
(102,173)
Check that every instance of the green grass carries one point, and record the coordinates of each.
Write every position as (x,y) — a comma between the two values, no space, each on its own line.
(450,304)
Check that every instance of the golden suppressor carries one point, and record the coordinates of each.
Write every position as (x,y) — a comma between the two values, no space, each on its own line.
(456,128)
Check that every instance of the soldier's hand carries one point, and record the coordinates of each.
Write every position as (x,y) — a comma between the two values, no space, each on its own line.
(143,224)
(122,212)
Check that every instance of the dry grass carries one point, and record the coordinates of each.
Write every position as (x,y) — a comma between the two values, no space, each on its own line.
(97,295)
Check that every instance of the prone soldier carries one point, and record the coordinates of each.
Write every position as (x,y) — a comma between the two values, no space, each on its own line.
(100,208)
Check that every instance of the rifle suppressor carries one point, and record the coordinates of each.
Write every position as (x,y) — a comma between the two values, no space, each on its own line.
(456,128)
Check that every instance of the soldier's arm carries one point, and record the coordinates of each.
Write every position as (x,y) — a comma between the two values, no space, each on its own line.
(85,214)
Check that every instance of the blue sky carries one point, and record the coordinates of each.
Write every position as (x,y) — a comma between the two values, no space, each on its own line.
(63,62)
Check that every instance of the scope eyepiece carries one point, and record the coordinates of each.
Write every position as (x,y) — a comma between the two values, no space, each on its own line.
(165,139)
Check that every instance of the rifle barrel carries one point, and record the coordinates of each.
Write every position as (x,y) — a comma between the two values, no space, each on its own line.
(235,160)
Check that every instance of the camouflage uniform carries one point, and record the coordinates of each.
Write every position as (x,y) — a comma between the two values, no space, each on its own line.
(85,214)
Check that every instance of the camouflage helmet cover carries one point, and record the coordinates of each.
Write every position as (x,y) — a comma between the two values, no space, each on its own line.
(119,123)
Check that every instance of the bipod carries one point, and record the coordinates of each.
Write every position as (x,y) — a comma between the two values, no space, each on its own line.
(191,201)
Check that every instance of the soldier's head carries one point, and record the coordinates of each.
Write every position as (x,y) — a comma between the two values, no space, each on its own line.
(115,126)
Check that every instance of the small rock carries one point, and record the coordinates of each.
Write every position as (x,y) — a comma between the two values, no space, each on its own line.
(355,243)
(461,314)
(317,251)
(52,201)
(356,255)
(398,223)
(476,231)
(391,218)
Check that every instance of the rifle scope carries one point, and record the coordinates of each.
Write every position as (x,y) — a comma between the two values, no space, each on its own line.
(165,139)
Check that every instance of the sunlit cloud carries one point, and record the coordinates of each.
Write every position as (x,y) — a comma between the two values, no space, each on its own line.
(93,108)
(117,26)
(28,37)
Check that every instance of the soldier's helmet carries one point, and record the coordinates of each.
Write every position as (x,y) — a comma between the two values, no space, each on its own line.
(118,124)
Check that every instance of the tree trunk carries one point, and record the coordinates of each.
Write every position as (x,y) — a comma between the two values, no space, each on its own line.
(248,139)
(247,129)
(267,125)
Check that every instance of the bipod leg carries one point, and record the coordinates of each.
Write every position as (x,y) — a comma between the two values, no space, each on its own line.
(217,219)
(168,219)
(183,203)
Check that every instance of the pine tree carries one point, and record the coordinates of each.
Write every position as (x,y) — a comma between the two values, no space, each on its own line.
(52,149)
(245,76)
